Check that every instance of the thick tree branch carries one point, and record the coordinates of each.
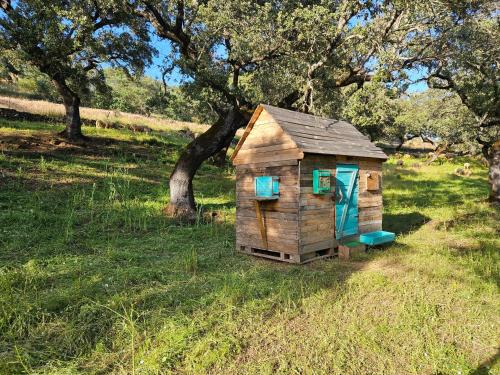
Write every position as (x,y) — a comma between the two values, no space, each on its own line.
(165,29)
(179,20)
(450,85)
(6,5)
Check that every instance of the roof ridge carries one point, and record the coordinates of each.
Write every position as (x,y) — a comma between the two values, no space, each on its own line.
(316,134)
(299,113)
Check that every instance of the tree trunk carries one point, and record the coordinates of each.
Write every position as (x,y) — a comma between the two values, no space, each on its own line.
(494,174)
(401,143)
(182,204)
(219,159)
(71,100)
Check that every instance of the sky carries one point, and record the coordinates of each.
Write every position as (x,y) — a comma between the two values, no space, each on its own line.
(175,78)
(154,70)
(415,75)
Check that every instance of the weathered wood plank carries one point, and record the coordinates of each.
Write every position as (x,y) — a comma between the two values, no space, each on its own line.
(274,245)
(245,213)
(264,148)
(314,246)
(264,164)
(247,131)
(272,156)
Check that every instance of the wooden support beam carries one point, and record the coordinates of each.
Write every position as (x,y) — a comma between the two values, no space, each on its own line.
(260,220)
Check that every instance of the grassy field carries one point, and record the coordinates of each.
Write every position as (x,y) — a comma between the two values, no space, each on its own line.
(93,279)
(45,108)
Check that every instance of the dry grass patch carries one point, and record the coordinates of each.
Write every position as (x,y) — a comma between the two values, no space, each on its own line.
(45,108)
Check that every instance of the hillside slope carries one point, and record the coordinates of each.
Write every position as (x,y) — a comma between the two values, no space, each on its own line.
(94,279)
(49,109)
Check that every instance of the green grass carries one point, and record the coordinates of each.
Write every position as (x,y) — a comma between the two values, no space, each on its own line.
(94,279)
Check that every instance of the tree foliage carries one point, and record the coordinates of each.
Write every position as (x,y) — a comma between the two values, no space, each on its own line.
(462,56)
(315,56)
(295,54)
(145,95)
(373,110)
(68,41)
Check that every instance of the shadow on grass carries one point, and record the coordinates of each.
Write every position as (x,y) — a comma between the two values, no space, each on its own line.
(160,272)
(142,159)
(404,223)
(484,368)
(476,243)
(80,256)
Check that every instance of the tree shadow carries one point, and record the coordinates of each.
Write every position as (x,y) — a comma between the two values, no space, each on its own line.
(484,368)
(404,223)
(124,254)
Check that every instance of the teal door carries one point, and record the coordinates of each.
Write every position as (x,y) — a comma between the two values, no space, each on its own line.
(346,206)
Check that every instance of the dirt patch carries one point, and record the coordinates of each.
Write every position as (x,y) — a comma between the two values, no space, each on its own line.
(40,144)
(132,154)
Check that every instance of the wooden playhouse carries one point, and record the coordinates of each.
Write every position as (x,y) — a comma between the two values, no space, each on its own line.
(304,186)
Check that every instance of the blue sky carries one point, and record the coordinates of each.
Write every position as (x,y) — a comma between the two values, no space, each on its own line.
(414,75)
(154,71)
(417,87)
(164,48)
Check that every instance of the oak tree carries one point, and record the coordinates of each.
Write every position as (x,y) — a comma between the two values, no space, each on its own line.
(294,54)
(70,40)
(464,59)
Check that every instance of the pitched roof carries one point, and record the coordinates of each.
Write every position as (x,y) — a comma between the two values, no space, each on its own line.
(318,135)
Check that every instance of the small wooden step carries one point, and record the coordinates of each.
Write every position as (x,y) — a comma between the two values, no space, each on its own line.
(349,248)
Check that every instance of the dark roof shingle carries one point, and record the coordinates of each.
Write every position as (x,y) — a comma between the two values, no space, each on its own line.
(320,135)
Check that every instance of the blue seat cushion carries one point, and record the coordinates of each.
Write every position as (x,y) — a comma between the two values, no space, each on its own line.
(376,238)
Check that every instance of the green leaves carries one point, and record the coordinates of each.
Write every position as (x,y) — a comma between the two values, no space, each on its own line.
(70,40)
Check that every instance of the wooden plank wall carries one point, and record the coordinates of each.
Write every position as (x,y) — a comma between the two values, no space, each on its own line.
(369,201)
(280,216)
(267,143)
(268,151)
(299,222)
(317,212)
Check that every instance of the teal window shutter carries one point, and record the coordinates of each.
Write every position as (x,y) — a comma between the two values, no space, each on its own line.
(321,181)
(276,186)
(267,186)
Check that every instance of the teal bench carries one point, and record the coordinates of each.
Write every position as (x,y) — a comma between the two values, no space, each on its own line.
(376,238)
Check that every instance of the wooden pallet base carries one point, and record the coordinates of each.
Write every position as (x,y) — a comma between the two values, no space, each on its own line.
(286,257)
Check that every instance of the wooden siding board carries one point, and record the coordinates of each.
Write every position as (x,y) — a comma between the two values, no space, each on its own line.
(268,151)
(317,212)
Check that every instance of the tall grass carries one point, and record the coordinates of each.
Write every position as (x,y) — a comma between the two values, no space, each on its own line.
(94,279)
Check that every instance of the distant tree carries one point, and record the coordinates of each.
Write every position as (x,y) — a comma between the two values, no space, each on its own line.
(438,117)
(8,70)
(146,95)
(465,60)
(127,93)
(69,40)
(468,64)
